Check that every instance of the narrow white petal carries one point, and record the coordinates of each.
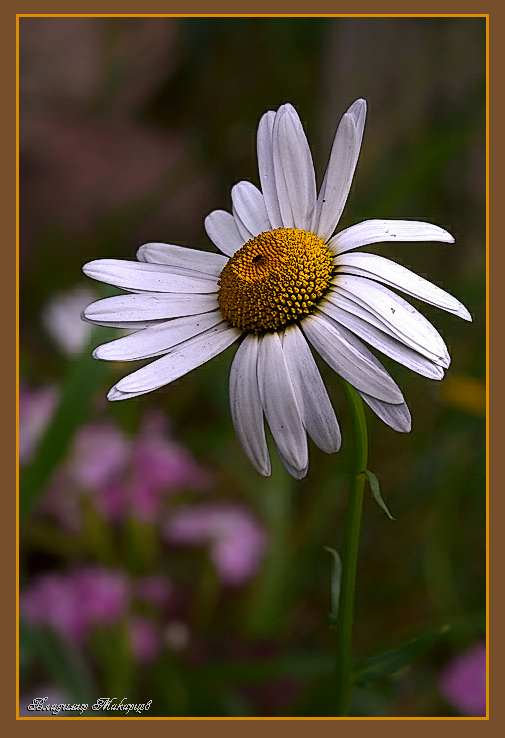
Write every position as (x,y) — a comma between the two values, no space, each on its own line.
(378,231)
(295,472)
(123,309)
(115,394)
(394,275)
(179,256)
(135,275)
(340,171)
(404,320)
(180,361)
(341,298)
(317,412)
(245,233)
(358,112)
(266,168)
(396,416)
(295,179)
(183,271)
(222,230)
(376,337)
(280,404)
(157,339)
(136,325)
(349,358)
(250,207)
(245,405)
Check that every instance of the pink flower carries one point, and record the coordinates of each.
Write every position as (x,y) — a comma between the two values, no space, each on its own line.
(103,594)
(237,540)
(125,476)
(36,407)
(50,601)
(100,454)
(73,603)
(110,501)
(463,682)
(99,461)
(160,466)
(98,457)
(145,639)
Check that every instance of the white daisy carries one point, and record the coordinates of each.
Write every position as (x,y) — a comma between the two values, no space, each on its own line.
(283,281)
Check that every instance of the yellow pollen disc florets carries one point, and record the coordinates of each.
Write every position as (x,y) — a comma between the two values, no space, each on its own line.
(275,279)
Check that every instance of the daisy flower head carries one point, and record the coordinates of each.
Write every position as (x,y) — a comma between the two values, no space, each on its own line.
(283,282)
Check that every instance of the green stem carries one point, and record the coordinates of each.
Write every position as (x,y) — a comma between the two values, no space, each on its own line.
(344,659)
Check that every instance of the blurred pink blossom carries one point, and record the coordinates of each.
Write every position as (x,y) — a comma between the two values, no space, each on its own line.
(104,594)
(97,461)
(36,407)
(124,476)
(236,538)
(161,465)
(463,682)
(100,453)
(73,603)
(145,639)
(51,601)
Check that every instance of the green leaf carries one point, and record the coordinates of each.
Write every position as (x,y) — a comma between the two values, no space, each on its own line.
(388,662)
(63,664)
(376,491)
(336,574)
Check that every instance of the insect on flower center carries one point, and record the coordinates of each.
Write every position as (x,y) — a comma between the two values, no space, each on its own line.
(275,279)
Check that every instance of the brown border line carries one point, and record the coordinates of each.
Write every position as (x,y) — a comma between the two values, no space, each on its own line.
(186,727)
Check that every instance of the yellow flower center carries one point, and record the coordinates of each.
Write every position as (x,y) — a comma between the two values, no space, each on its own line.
(275,279)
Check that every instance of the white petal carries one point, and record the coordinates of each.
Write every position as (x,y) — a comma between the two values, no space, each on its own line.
(245,233)
(295,179)
(179,256)
(125,325)
(245,405)
(394,275)
(345,300)
(135,275)
(266,168)
(404,320)
(358,112)
(222,230)
(280,403)
(340,171)
(157,339)
(317,412)
(295,472)
(183,271)
(349,358)
(389,345)
(250,207)
(396,416)
(378,231)
(128,309)
(180,361)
